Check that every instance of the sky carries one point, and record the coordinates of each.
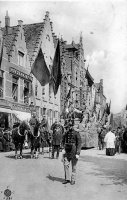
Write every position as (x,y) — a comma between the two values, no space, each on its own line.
(103,24)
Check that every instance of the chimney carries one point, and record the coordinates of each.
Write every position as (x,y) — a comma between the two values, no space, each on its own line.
(47,15)
(20,22)
(7,22)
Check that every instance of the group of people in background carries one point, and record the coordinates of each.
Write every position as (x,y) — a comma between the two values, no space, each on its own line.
(114,140)
(67,137)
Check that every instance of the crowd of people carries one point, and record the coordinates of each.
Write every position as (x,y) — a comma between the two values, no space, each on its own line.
(67,137)
(113,140)
(6,142)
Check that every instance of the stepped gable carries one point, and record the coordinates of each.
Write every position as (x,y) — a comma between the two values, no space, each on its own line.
(10,38)
(32,35)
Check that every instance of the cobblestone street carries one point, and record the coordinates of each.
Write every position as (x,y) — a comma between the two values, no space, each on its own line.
(98,177)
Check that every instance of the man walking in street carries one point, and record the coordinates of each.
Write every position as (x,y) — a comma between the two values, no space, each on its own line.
(58,130)
(72,147)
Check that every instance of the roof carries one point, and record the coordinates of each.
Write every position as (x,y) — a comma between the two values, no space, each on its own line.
(10,38)
(73,47)
(32,32)
(88,76)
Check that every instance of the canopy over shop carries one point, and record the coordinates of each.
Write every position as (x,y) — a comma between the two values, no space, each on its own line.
(8,117)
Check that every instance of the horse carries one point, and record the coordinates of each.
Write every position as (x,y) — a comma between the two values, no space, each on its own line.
(34,137)
(19,133)
(45,136)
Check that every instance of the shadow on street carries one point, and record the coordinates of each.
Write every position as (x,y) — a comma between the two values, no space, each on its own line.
(53,178)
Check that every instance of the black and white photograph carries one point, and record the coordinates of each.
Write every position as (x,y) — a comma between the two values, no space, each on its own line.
(63,100)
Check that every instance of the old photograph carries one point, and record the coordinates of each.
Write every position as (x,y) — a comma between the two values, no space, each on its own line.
(63,100)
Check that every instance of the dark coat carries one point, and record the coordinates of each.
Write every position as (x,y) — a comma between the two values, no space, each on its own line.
(33,121)
(72,143)
(57,133)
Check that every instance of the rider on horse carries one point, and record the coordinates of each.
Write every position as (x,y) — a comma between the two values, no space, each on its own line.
(44,131)
(34,135)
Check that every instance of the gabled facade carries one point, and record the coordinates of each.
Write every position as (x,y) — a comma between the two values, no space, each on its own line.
(18,87)
(15,71)
(41,35)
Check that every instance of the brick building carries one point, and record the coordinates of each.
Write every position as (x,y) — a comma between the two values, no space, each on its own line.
(21,45)
(85,94)
(73,69)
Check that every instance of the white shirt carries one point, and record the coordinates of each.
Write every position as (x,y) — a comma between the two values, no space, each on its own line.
(110,140)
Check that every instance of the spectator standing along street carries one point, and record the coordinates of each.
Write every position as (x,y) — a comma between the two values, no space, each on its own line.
(110,142)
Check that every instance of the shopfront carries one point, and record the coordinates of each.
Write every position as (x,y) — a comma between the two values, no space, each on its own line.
(5,118)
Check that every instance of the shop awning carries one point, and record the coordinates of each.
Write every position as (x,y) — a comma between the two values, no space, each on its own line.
(5,110)
(22,115)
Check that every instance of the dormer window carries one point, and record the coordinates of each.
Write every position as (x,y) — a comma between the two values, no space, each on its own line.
(20,58)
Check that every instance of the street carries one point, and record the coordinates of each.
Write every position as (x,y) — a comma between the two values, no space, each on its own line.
(98,177)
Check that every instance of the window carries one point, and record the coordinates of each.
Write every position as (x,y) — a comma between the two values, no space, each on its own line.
(43,111)
(20,58)
(43,90)
(36,87)
(26,92)
(76,97)
(50,89)
(1,84)
(15,88)
(53,114)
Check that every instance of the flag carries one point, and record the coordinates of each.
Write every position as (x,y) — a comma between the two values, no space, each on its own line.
(69,94)
(56,75)
(40,70)
(1,52)
(108,106)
